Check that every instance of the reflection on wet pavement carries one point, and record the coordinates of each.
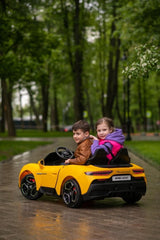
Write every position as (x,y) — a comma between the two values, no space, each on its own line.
(48,218)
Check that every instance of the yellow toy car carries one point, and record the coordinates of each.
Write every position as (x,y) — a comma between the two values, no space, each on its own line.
(78,183)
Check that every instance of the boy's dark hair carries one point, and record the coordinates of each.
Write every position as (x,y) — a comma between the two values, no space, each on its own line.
(81,124)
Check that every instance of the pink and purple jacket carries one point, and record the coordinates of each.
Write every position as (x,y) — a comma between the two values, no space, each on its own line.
(112,143)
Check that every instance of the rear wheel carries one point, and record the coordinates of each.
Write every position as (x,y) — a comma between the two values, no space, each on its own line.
(132,197)
(71,194)
(28,188)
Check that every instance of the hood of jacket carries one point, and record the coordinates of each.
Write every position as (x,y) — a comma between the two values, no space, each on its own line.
(117,136)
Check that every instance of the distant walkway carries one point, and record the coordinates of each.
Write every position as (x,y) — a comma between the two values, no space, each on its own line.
(28,139)
(145,137)
(136,137)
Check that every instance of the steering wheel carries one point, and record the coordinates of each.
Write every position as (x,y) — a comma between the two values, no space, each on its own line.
(64,153)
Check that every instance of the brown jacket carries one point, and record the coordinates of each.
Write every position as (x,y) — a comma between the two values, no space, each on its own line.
(82,152)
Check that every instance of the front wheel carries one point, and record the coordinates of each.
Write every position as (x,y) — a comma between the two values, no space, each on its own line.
(28,188)
(132,197)
(71,194)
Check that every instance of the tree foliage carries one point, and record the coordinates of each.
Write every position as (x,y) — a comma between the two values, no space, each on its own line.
(69,55)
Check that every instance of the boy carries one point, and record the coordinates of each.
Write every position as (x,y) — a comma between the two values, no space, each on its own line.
(81,137)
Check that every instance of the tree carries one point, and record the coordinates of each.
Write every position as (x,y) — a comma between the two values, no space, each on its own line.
(74,25)
(13,22)
(49,44)
(141,24)
(146,60)
(108,53)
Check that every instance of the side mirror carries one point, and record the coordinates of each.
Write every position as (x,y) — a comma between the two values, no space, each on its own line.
(41,163)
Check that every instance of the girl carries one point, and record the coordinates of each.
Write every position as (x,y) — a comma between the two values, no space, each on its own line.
(109,138)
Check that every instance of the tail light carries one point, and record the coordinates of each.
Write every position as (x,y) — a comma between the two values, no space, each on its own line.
(138,171)
(98,173)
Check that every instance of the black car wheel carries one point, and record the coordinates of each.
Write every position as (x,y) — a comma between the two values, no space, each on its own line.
(28,188)
(71,194)
(132,197)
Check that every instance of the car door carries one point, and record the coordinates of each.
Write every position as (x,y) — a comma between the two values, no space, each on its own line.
(48,175)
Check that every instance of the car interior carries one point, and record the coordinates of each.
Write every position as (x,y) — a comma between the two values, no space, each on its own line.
(122,159)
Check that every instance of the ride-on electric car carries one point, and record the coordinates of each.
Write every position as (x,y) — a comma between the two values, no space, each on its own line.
(77,183)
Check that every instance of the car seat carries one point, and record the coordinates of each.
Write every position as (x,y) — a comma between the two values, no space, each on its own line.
(100,159)
(122,157)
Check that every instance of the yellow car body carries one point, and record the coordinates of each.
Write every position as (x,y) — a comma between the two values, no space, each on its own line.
(83,182)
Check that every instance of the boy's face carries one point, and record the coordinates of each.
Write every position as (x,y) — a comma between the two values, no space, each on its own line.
(79,135)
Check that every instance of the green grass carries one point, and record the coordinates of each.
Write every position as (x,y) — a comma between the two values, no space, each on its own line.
(149,150)
(10,148)
(38,133)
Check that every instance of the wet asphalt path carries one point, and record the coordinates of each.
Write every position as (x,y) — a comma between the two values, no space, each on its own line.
(49,219)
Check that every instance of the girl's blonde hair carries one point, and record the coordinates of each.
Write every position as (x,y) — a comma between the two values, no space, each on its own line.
(107,121)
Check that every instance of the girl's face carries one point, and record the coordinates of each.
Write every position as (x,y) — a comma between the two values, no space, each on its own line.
(103,130)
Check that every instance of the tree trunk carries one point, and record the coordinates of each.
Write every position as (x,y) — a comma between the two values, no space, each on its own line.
(45,102)
(102,61)
(144,105)
(8,108)
(75,53)
(2,126)
(33,107)
(158,125)
(78,62)
(140,110)
(90,115)
(118,43)
(54,111)
(114,56)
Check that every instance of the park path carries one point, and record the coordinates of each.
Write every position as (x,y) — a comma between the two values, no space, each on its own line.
(48,218)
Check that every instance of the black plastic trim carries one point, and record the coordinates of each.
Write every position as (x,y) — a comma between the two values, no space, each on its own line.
(107,188)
